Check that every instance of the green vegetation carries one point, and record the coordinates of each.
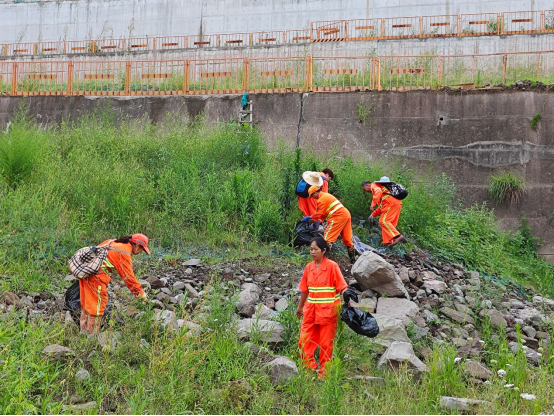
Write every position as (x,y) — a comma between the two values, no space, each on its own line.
(215,373)
(364,111)
(214,188)
(506,187)
(216,191)
(535,120)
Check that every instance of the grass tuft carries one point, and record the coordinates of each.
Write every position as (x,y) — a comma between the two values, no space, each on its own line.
(506,187)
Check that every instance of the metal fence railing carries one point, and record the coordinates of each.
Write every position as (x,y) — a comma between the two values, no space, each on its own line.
(477,24)
(273,75)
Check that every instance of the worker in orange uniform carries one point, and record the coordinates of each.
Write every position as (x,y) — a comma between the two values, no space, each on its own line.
(339,221)
(94,289)
(306,204)
(321,286)
(387,208)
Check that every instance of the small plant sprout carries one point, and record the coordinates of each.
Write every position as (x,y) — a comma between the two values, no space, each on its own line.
(535,120)
(506,187)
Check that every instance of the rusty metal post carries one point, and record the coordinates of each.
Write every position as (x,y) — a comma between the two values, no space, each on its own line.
(500,23)
(127,88)
(378,60)
(186,42)
(64,47)
(382,28)
(70,78)
(123,45)
(154,44)
(310,73)
(538,66)
(34,48)
(186,77)
(245,74)
(420,26)
(93,46)
(346,29)
(459,25)
(14,79)
(504,68)
(542,21)
(217,40)
(311,31)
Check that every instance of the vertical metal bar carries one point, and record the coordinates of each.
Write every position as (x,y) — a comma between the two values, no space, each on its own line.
(420,26)
(504,68)
(542,21)
(245,75)
(500,23)
(186,77)
(127,87)
(14,78)
(383,28)
(459,25)
(70,78)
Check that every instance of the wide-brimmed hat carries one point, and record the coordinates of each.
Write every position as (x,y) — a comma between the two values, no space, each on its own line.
(384,179)
(312,178)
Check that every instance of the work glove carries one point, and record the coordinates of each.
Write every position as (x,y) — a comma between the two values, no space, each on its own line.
(305,219)
(143,297)
(371,221)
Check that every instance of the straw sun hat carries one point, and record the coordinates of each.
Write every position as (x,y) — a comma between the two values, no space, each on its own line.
(313,178)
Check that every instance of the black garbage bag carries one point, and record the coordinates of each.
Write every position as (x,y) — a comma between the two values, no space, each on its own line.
(73,303)
(348,295)
(304,233)
(361,322)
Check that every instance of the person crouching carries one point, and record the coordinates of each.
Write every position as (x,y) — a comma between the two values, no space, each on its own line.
(94,289)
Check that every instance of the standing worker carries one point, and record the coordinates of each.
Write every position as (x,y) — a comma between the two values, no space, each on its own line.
(306,204)
(94,289)
(321,286)
(339,221)
(387,207)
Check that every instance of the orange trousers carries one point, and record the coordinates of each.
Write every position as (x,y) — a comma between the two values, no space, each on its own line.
(90,289)
(339,225)
(307,205)
(388,220)
(313,336)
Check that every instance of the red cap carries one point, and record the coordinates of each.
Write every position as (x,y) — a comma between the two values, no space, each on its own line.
(141,240)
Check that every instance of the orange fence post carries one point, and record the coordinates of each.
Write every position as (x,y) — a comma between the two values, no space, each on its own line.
(382,28)
(70,78)
(14,79)
(542,21)
(504,68)
(459,25)
(127,88)
(500,23)
(154,46)
(245,75)
(309,74)
(186,77)
(420,26)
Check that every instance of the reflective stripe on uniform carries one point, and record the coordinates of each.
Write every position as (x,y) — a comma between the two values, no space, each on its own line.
(107,266)
(324,300)
(328,229)
(386,224)
(322,289)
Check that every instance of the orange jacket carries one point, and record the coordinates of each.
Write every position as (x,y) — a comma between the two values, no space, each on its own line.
(382,199)
(328,207)
(119,259)
(323,286)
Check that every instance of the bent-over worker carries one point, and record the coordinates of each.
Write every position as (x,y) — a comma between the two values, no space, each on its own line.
(387,208)
(308,205)
(94,289)
(321,286)
(339,221)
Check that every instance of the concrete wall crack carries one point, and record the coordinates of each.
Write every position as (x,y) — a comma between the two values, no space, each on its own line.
(301,118)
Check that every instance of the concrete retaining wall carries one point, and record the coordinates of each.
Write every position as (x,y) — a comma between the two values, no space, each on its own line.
(467,135)
(77,20)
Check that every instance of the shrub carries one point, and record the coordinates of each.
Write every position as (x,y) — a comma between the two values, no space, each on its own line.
(506,187)
(535,120)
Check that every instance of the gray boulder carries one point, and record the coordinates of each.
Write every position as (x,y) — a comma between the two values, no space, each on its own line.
(268,331)
(248,299)
(390,330)
(436,286)
(281,305)
(543,302)
(460,317)
(400,354)
(166,319)
(281,370)
(372,272)
(263,312)
(402,309)
(56,351)
(460,404)
(496,317)
(477,370)
(82,375)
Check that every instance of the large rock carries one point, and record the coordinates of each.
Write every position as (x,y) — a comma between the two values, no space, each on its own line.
(496,317)
(281,370)
(10,298)
(460,317)
(155,283)
(248,299)
(404,274)
(263,312)
(402,309)
(166,319)
(372,272)
(543,302)
(390,330)
(460,404)
(399,354)
(281,305)
(436,286)
(82,375)
(269,331)
(57,352)
(533,356)
(477,370)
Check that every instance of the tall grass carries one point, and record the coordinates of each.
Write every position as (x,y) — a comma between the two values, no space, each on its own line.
(211,186)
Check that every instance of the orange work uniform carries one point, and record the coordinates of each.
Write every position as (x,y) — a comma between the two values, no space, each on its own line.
(321,310)
(309,205)
(388,207)
(338,219)
(94,289)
